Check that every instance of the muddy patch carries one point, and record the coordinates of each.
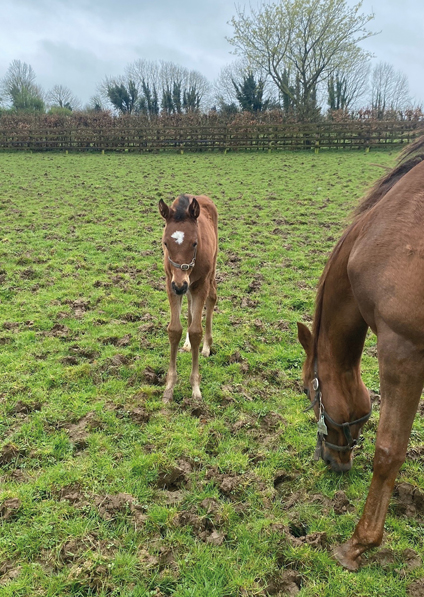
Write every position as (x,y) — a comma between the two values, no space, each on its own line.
(24,408)
(154,378)
(416,589)
(9,453)
(286,582)
(9,571)
(59,330)
(175,477)
(79,432)
(409,500)
(9,508)
(341,503)
(110,506)
(208,526)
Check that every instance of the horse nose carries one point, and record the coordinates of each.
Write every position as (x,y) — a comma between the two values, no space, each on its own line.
(336,465)
(180,288)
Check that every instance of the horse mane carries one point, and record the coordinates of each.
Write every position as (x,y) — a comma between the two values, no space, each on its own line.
(180,213)
(410,157)
(415,153)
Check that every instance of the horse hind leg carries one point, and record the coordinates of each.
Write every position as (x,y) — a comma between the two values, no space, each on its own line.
(210,305)
(187,345)
(402,377)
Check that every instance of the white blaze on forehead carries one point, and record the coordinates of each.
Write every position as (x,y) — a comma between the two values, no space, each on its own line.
(179,236)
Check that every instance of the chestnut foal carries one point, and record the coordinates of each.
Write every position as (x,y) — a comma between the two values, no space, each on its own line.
(373,279)
(190,245)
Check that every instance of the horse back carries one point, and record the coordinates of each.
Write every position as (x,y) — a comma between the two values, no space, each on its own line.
(386,263)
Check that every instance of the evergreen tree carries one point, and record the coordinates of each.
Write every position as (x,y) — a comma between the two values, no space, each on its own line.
(250,94)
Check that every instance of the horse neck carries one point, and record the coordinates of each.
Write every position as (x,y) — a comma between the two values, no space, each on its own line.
(341,331)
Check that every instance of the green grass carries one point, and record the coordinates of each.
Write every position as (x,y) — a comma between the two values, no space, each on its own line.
(83,315)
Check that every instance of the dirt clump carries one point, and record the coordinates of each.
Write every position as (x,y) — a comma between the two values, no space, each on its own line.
(409,500)
(271,421)
(196,408)
(8,571)
(73,494)
(411,559)
(384,557)
(25,407)
(139,415)
(153,377)
(78,433)
(109,506)
(59,331)
(341,503)
(173,478)
(204,527)
(255,284)
(416,589)
(118,360)
(415,453)
(286,582)
(8,453)
(9,508)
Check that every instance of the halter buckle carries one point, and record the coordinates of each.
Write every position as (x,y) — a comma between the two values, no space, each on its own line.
(185,266)
(315,384)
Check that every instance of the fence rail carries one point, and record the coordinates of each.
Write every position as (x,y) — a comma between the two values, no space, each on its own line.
(222,137)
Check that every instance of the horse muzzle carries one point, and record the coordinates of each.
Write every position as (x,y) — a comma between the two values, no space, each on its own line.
(179,289)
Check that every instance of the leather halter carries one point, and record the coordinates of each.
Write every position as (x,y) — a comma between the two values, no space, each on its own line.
(185,266)
(324,416)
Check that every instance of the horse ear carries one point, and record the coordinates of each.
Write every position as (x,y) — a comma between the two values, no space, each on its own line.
(163,209)
(304,337)
(194,209)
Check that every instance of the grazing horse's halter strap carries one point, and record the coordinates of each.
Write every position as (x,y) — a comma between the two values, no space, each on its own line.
(185,266)
(323,416)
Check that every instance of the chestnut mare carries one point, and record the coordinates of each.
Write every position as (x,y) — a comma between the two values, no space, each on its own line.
(190,244)
(373,278)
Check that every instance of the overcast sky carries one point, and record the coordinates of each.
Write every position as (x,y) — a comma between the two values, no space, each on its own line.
(77,43)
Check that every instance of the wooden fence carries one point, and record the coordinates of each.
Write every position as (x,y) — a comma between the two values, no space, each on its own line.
(127,136)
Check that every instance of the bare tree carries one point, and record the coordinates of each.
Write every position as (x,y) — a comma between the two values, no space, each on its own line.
(20,89)
(95,104)
(172,83)
(389,89)
(62,97)
(301,43)
(347,86)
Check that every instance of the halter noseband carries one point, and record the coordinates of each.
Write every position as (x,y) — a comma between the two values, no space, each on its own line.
(323,416)
(185,266)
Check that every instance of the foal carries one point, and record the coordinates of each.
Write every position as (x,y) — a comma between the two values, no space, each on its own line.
(190,244)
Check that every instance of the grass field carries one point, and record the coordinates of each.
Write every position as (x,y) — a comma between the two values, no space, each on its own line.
(106,492)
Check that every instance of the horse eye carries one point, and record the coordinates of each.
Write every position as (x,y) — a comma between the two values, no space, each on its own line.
(194,244)
(165,244)
(306,391)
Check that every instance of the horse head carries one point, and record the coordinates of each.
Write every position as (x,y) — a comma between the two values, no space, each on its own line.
(341,404)
(180,241)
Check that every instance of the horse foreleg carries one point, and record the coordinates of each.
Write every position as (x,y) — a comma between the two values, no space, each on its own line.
(195,335)
(402,376)
(187,345)
(174,334)
(210,305)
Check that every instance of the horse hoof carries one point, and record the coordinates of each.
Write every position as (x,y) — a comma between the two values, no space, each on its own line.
(206,352)
(343,557)
(187,348)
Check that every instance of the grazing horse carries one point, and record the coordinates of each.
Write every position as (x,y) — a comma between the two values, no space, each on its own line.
(190,245)
(374,279)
